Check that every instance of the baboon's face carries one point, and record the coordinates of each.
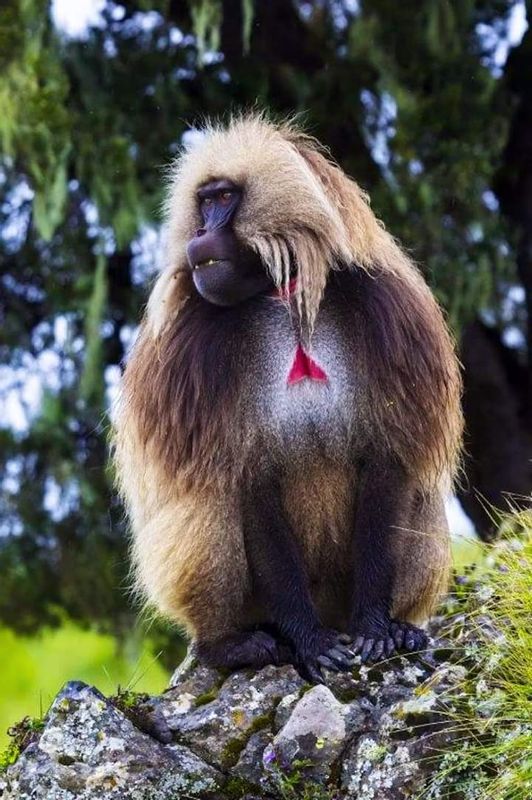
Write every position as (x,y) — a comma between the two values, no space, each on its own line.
(225,270)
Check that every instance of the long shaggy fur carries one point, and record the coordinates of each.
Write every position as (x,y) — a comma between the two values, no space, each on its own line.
(177,435)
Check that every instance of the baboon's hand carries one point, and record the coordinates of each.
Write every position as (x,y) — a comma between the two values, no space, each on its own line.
(376,642)
(324,649)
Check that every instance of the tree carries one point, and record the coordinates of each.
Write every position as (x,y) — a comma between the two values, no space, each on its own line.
(409,101)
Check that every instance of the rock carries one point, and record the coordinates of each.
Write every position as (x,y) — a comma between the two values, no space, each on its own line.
(261,735)
(250,765)
(191,677)
(284,709)
(88,749)
(373,771)
(315,732)
(219,729)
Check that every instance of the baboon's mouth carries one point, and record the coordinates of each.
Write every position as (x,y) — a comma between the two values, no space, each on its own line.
(208,263)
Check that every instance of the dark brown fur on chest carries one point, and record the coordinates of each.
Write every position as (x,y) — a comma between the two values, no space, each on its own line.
(197,370)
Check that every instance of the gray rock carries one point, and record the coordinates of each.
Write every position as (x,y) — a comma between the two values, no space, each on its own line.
(88,749)
(191,677)
(375,770)
(219,729)
(315,732)
(250,765)
(284,709)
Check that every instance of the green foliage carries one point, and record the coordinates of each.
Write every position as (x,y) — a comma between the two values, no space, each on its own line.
(34,121)
(206,697)
(207,16)
(294,783)
(22,734)
(492,756)
(248,14)
(206,19)
(38,666)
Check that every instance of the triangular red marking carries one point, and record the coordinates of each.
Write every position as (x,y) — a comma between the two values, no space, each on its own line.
(305,367)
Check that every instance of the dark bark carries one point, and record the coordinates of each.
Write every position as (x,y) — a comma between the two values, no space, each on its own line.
(498,465)
(498,387)
(513,183)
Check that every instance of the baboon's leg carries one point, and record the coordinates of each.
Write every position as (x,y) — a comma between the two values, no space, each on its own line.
(424,560)
(191,563)
(280,580)
(382,569)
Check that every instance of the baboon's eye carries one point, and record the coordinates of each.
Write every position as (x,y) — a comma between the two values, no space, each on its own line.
(226,197)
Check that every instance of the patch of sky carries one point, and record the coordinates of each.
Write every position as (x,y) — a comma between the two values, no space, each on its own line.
(128,334)
(12,475)
(74,17)
(22,385)
(510,310)
(191,137)
(512,307)
(60,500)
(341,10)
(148,249)
(460,525)
(104,235)
(415,166)
(489,200)
(498,39)
(112,389)
(379,127)
(17,210)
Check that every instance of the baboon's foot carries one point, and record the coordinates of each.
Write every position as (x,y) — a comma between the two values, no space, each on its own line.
(376,642)
(248,649)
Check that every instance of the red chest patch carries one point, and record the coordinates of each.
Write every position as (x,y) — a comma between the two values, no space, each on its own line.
(305,367)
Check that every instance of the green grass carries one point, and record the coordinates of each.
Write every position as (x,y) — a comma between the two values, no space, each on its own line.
(492,757)
(467,551)
(33,669)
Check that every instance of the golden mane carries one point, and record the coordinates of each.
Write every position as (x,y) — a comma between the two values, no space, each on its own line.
(298,207)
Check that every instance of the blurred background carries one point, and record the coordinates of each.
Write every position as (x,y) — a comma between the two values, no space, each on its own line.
(427,104)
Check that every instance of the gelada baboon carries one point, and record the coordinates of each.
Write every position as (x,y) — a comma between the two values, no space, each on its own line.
(290,415)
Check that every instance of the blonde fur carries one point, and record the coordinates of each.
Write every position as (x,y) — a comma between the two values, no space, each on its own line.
(298,204)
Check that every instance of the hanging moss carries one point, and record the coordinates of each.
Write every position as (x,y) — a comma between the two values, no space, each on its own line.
(248,13)
(206,20)
(35,124)
(92,385)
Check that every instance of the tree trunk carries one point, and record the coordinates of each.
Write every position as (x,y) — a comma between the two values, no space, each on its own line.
(498,442)
(498,389)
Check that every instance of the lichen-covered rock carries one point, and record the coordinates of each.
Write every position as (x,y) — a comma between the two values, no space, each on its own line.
(375,771)
(264,735)
(88,749)
(219,727)
(249,768)
(316,731)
